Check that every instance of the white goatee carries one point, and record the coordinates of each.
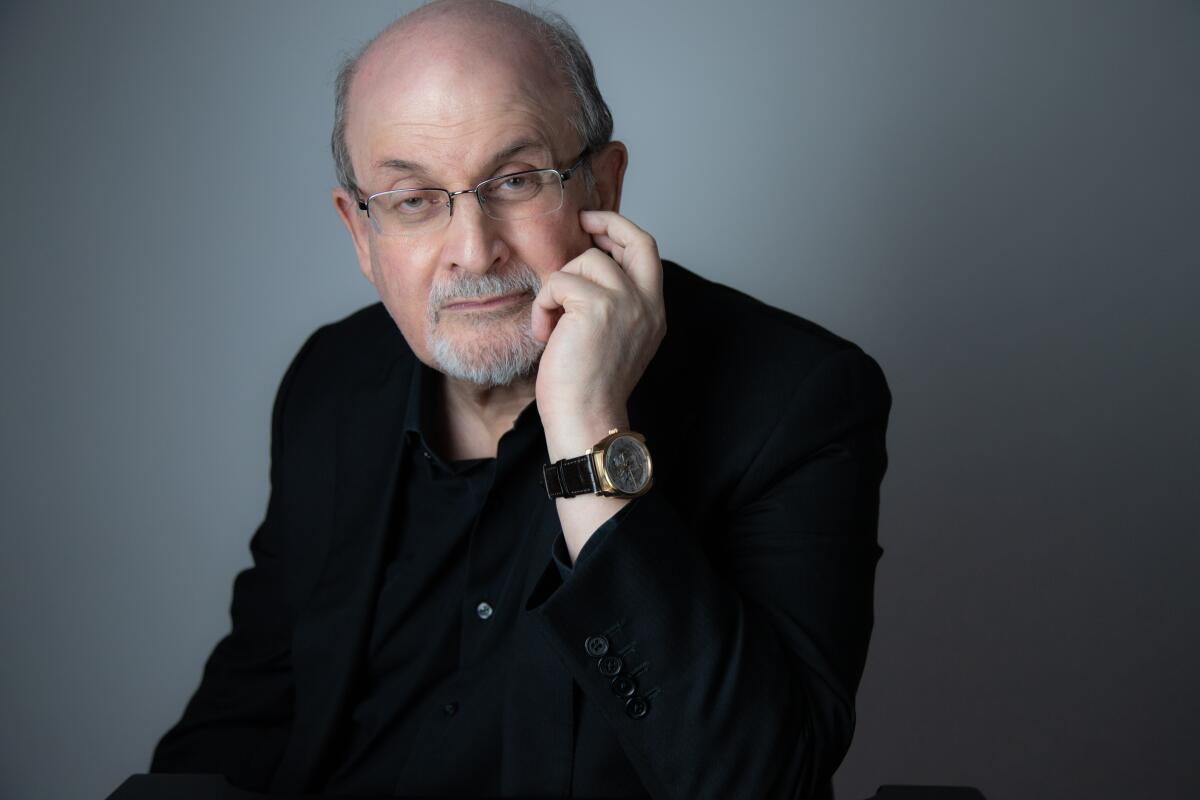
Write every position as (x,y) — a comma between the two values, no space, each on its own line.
(502,348)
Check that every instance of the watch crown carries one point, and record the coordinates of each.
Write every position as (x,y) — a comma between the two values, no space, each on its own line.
(611,431)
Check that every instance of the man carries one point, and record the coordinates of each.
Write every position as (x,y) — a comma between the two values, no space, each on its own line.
(449,595)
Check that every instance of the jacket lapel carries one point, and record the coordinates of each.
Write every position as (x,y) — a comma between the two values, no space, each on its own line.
(331,631)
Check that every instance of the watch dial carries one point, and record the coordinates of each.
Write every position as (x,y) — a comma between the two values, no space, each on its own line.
(627,462)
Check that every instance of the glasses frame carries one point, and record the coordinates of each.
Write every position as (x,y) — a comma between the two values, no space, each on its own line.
(564,175)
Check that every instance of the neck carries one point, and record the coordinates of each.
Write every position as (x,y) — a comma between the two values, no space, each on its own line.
(472,418)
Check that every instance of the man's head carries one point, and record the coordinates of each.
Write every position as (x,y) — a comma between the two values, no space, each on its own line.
(450,95)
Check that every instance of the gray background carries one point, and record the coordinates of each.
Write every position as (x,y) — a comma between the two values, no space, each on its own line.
(998,201)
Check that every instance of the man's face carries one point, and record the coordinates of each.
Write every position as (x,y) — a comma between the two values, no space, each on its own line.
(461,294)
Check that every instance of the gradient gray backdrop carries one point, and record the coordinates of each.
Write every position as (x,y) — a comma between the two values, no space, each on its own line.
(999,201)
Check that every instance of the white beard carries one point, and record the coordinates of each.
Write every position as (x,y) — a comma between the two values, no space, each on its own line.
(501,348)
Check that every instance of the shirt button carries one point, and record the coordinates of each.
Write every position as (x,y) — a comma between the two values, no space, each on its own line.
(484,610)
(609,666)
(450,709)
(637,707)
(624,686)
(596,646)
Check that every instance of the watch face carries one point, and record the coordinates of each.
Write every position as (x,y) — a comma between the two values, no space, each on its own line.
(627,462)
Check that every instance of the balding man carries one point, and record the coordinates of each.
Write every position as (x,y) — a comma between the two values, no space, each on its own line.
(522,540)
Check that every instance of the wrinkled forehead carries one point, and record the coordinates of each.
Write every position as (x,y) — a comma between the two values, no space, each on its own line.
(452,95)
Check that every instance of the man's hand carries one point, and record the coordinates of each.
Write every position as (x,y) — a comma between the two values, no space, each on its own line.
(602,319)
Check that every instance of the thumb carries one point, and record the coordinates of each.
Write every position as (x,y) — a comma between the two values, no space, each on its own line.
(543,320)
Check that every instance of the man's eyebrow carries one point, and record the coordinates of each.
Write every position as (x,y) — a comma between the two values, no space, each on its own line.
(399,164)
(517,147)
(503,154)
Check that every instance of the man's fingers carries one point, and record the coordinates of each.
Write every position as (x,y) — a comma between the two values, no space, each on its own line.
(542,322)
(569,292)
(562,292)
(639,252)
(596,265)
(601,280)
(621,230)
(609,246)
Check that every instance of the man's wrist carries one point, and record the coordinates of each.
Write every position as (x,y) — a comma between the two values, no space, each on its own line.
(573,438)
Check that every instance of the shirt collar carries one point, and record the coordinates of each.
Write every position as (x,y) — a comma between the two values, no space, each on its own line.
(416,413)
(527,427)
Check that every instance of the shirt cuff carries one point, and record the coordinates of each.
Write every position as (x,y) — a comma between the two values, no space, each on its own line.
(562,558)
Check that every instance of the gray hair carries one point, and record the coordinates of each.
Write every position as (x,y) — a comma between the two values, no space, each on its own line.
(591,118)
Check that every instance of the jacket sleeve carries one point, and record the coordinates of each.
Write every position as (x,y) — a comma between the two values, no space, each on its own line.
(238,721)
(741,638)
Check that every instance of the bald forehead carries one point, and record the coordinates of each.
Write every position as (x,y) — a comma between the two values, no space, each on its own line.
(472,33)
(452,81)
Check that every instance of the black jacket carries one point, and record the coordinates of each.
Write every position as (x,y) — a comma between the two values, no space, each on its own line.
(743,580)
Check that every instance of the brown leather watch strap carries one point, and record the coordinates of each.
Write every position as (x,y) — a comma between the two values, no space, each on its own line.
(569,477)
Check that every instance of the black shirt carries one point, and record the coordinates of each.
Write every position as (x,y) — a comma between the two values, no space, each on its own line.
(430,712)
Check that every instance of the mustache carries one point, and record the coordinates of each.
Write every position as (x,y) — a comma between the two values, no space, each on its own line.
(470,286)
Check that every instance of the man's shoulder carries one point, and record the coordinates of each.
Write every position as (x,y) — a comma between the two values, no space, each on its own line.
(743,374)
(722,325)
(363,349)
(362,342)
(734,361)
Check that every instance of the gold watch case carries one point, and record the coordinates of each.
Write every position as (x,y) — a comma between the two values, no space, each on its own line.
(622,464)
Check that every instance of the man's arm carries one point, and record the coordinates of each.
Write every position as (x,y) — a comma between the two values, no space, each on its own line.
(743,633)
(238,721)
(748,648)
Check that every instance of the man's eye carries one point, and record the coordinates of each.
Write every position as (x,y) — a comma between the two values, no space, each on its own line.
(514,188)
(405,204)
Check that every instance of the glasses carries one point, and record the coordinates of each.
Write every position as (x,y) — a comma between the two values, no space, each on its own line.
(519,195)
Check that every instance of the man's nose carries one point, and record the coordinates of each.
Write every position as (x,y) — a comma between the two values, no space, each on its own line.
(472,237)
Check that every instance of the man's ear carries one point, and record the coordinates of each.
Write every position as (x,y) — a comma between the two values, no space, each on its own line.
(608,168)
(356,223)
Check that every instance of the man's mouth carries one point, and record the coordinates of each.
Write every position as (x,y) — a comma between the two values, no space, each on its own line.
(482,303)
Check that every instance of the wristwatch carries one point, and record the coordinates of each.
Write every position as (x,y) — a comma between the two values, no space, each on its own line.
(617,466)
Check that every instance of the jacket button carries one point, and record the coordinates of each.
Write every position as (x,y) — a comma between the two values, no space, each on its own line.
(450,709)
(624,686)
(484,610)
(596,646)
(609,666)
(637,707)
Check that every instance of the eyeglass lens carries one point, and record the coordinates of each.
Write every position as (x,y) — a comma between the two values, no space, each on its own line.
(509,197)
